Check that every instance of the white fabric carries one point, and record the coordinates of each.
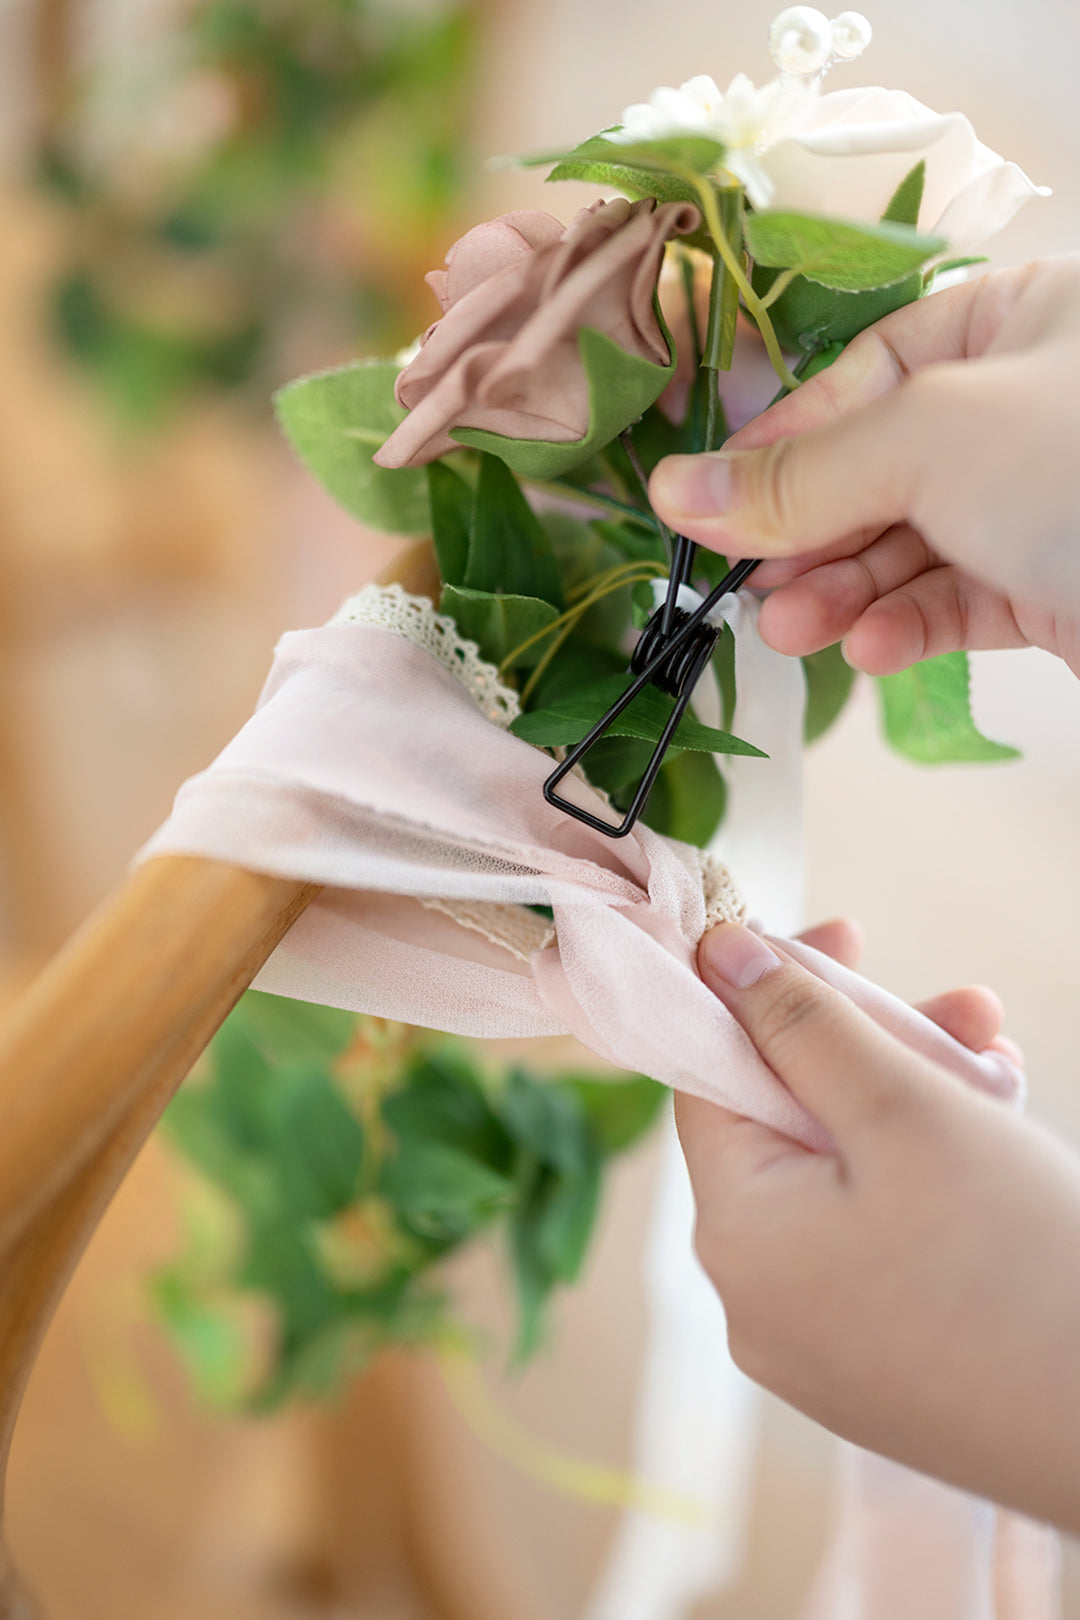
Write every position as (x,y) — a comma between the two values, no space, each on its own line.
(697,1416)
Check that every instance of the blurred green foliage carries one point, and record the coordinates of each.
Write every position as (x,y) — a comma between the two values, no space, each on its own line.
(271,166)
(344,1158)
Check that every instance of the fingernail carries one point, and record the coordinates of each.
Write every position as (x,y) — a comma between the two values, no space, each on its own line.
(699,486)
(737,956)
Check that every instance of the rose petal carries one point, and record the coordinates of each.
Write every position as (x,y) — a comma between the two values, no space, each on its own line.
(986,206)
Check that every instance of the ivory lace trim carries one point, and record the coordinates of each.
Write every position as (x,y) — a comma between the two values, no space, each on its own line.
(415,619)
(517,929)
(723,902)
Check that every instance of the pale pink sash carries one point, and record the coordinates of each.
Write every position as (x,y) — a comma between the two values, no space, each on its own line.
(368,767)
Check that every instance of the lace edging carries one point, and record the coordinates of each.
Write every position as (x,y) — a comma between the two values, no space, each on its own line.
(415,619)
(723,902)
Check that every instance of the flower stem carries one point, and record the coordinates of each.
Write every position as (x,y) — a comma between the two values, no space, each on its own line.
(626,439)
(707,193)
(686,269)
(591,497)
(779,287)
(593,591)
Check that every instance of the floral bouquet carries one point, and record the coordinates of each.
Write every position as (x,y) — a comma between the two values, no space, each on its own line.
(759,231)
(754,234)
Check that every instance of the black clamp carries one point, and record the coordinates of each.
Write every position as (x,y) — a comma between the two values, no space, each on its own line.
(672,654)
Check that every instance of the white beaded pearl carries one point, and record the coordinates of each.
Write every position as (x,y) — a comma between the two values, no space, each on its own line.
(851,34)
(801,41)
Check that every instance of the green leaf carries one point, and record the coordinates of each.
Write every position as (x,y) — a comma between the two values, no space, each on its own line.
(241,1091)
(667,153)
(440,1191)
(688,799)
(335,421)
(451,520)
(290,1031)
(829,680)
(621,386)
(546,1121)
(907,199)
(281,1262)
(616,766)
(565,1221)
(634,541)
(500,624)
(927,714)
(808,316)
(578,664)
(641,171)
(568,720)
(533,1281)
(316,1142)
(942,269)
(443,1101)
(619,1112)
(213,1339)
(845,256)
(508,549)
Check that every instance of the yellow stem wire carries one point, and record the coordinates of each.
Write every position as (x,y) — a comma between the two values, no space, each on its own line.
(569,1476)
(596,588)
(704,188)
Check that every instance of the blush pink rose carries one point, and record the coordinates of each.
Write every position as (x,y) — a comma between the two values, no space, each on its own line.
(515,293)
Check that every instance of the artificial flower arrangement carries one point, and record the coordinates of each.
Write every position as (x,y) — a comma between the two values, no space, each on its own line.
(754,231)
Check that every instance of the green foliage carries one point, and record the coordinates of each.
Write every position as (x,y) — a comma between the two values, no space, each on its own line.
(621,386)
(964,263)
(451,519)
(644,170)
(568,720)
(829,679)
(345,112)
(688,799)
(927,714)
(344,1160)
(906,200)
(508,548)
(835,253)
(500,624)
(808,316)
(335,421)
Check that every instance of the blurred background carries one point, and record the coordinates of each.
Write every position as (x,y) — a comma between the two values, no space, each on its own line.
(198,201)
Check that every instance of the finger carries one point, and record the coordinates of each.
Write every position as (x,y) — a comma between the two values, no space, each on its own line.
(721,1148)
(1009,1049)
(973,1016)
(940,611)
(839,458)
(841,938)
(920,334)
(834,1059)
(824,603)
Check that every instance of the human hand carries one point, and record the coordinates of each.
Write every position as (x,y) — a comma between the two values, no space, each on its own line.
(927,485)
(917,1288)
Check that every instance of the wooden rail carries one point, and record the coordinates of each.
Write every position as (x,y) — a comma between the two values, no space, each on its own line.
(94,1049)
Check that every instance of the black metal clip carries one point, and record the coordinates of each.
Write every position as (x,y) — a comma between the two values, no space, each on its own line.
(672,653)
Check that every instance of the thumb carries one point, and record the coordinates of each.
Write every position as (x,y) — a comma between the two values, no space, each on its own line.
(847,481)
(847,1071)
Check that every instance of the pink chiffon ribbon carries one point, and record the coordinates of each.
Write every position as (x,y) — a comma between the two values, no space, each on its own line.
(369,768)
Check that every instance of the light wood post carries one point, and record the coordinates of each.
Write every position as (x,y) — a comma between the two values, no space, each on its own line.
(94,1049)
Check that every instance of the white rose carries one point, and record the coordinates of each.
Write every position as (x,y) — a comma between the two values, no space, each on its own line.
(846,152)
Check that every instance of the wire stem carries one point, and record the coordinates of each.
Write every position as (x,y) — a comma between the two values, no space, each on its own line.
(707,193)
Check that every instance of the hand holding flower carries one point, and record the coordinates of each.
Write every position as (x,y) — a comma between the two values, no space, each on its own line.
(926,486)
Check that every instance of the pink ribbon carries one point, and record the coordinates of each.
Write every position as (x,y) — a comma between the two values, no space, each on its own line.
(368,768)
